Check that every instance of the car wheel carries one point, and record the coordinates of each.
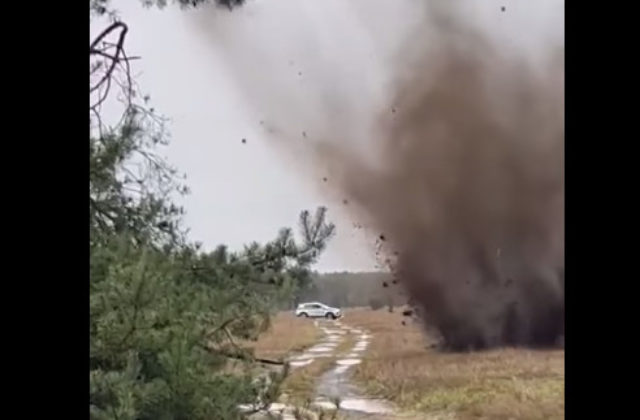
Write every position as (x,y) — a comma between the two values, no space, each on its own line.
(304,315)
(330,316)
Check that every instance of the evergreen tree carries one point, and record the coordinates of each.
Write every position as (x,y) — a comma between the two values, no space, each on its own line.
(166,318)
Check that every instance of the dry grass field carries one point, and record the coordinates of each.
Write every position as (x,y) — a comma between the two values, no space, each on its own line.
(286,335)
(400,365)
(497,384)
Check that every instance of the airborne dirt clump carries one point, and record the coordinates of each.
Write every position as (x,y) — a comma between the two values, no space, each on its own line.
(469,188)
(465,175)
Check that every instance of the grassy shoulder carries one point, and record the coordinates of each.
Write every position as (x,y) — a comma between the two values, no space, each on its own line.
(286,335)
(497,384)
(298,387)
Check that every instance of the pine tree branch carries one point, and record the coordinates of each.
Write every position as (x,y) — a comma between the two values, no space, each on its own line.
(235,356)
(115,58)
(136,308)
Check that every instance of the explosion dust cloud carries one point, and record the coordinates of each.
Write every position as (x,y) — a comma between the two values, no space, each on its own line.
(449,145)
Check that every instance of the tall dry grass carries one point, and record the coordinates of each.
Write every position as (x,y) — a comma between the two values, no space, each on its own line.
(287,334)
(509,383)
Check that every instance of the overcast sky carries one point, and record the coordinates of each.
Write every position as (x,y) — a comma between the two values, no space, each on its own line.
(245,192)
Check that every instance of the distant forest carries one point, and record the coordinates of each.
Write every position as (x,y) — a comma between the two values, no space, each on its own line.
(344,290)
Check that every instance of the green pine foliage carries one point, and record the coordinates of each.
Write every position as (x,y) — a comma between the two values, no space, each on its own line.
(102,7)
(167,318)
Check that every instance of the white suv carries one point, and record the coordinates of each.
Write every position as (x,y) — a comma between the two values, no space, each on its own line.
(317,310)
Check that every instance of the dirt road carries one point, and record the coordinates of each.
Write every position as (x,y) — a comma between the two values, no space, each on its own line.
(334,388)
(335,393)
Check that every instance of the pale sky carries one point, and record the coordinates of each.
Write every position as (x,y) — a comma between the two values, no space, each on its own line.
(245,192)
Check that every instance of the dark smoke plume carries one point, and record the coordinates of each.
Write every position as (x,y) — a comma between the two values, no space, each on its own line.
(464,176)
(469,189)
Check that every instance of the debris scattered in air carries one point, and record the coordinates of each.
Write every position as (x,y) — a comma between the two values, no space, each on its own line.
(393,110)
(385,284)
(407,312)
(345,201)
(304,134)
(244,141)
(503,8)
(324,179)
(382,238)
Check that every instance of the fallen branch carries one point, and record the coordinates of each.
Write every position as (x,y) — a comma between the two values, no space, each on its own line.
(243,357)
